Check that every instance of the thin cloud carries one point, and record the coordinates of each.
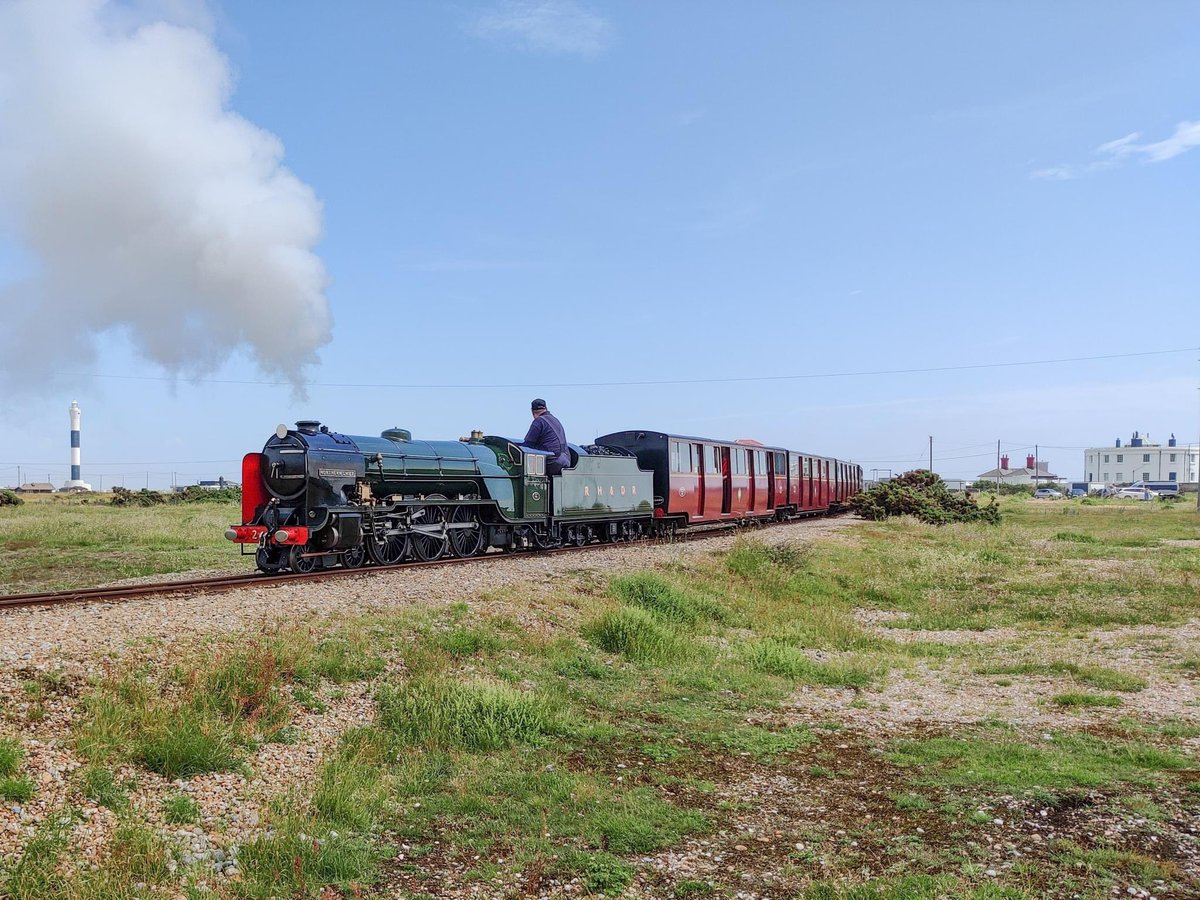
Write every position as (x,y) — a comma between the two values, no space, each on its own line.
(546,26)
(1124,149)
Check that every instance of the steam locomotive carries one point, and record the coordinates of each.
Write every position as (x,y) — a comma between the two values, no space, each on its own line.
(314,497)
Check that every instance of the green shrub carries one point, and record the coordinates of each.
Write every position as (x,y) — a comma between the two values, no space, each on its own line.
(9,498)
(923,495)
(475,715)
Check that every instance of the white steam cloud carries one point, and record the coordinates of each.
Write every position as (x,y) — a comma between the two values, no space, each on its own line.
(142,202)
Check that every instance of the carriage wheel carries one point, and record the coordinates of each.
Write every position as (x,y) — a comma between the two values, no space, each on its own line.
(269,559)
(465,541)
(583,535)
(300,563)
(429,547)
(355,557)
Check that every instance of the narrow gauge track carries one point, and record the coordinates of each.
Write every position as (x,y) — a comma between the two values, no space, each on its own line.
(221,583)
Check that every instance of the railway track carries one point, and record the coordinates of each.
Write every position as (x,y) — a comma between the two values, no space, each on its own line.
(223,583)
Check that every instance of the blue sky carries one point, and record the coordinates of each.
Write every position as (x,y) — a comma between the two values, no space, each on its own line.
(568,193)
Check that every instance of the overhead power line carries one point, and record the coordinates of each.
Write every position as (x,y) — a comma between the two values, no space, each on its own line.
(647,383)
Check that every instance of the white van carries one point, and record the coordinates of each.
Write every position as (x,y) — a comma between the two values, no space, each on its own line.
(1161,488)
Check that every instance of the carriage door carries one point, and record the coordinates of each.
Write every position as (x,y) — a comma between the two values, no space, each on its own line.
(770,480)
(726,482)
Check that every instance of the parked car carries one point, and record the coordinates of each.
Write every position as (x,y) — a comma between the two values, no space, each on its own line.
(1078,492)
(1047,494)
(1134,493)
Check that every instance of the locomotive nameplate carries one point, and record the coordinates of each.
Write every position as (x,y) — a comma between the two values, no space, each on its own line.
(336,473)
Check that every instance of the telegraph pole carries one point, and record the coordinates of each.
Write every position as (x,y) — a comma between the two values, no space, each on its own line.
(997,467)
(931,453)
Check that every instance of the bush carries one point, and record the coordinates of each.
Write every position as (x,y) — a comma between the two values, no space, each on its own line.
(125,497)
(8,498)
(923,495)
(1004,489)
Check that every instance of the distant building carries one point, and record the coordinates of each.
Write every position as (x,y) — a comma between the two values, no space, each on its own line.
(1143,460)
(1034,472)
(36,487)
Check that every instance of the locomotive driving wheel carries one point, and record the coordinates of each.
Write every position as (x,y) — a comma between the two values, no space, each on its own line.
(300,563)
(386,550)
(428,547)
(466,541)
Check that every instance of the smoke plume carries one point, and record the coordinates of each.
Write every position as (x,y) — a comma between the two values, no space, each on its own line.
(140,202)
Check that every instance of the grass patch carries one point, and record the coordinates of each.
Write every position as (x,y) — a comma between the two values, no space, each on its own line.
(1078,699)
(17,790)
(11,755)
(912,802)
(674,604)
(207,715)
(180,809)
(475,715)
(1096,676)
(637,635)
(775,657)
(1110,862)
(1004,763)
(101,787)
(351,791)
(300,855)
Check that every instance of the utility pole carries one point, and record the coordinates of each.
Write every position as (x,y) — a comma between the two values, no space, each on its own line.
(1035,466)
(997,467)
(931,453)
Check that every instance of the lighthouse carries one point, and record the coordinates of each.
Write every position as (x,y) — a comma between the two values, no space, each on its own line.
(75,484)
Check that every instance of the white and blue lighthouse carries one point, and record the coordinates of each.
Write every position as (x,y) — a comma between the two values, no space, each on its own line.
(76,483)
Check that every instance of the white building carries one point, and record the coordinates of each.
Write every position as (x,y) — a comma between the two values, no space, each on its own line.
(1143,460)
(1034,472)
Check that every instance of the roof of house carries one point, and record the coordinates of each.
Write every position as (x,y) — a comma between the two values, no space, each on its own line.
(37,487)
(1042,472)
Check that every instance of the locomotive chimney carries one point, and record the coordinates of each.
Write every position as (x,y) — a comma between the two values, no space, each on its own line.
(308,426)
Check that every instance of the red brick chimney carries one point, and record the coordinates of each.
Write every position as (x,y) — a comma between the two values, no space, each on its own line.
(1004,462)
(1030,462)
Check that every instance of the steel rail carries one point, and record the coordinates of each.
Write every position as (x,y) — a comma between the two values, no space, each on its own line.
(223,583)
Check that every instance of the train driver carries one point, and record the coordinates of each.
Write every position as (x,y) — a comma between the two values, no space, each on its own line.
(546,433)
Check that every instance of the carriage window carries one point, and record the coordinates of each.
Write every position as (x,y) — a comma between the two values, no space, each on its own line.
(807,467)
(739,462)
(697,458)
(714,467)
(780,464)
(674,456)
